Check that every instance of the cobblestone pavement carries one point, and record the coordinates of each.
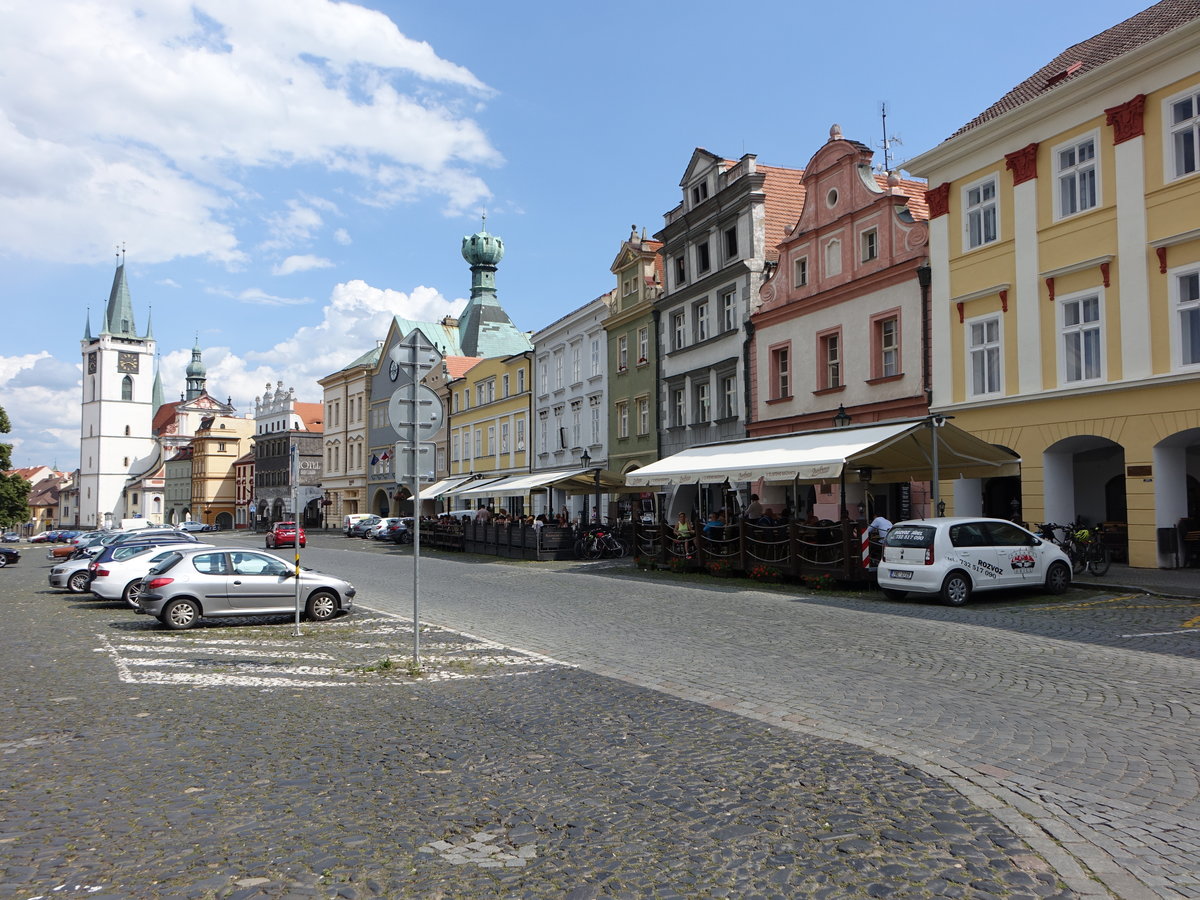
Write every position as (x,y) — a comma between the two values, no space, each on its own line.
(1074,719)
(239,761)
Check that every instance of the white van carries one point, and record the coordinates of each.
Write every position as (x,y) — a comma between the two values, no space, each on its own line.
(349,521)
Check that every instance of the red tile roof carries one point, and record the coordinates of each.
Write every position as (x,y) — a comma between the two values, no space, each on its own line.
(312,415)
(164,415)
(785,201)
(914,191)
(1093,53)
(458,366)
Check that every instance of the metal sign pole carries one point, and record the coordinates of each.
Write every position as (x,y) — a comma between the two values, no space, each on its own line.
(415,456)
(295,473)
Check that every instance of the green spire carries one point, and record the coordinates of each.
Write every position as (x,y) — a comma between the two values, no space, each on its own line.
(87,327)
(149,326)
(196,373)
(484,327)
(119,315)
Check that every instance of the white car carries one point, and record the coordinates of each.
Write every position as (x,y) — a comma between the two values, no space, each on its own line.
(957,556)
(120,577)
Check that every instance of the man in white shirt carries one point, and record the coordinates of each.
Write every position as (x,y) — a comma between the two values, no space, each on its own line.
(880,527)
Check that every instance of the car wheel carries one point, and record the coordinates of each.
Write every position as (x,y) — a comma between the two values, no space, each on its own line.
(78,582)
(956,589)
(1058,578)
(180,614)
(322,606)
(893,594)
(132,591)
(270,543)
(3,560)
(304,543)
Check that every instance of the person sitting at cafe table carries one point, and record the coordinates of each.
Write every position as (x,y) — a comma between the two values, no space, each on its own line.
(714,528)
(684,532)
(769,518)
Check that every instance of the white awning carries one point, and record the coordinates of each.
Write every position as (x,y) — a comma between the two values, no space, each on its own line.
(444,486)
(520,485)
(469,484)
(898,451)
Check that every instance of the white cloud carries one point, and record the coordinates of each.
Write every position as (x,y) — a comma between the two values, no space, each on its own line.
(44,416)
(356,316)
(42,394)
(342,236)
(302,263)
(143,122)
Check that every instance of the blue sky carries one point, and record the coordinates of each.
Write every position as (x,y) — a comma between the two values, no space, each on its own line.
(286,177)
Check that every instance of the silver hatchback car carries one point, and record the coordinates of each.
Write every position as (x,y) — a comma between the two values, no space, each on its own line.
(194,583)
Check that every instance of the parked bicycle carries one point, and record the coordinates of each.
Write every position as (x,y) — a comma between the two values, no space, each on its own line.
(597,543)
(1082,544)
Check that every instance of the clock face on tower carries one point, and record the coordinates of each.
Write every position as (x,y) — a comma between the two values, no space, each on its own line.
(92,363)
(394,370)
(127,362)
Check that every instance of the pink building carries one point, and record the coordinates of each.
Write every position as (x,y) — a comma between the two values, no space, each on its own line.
(842,324)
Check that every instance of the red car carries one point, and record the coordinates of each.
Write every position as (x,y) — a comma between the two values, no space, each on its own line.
(284,535)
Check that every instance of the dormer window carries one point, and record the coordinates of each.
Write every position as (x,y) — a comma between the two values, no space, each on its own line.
(699,193)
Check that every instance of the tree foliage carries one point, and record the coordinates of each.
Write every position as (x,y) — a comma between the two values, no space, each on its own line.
(14,490)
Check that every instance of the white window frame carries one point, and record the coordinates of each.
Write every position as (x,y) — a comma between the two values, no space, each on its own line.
(576,363)
(623,418)
(643,415)
(868,245)
(800,272)
(543,379)
(595,356)
(703,402)
(1184,309)
(595,424)
(1176,130)
(622,353)
(678,406)
(503,436)
(643,339)
(678,330)
(729,396)
(989,349)
(832,374)
(729,310)
(889,350)
(576,426)
(558,369)
(1080,334)
(520,433)
(700,315)
(981,210)
(1072,173)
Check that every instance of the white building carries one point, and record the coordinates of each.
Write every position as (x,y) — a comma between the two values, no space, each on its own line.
(570,398)
(116,443)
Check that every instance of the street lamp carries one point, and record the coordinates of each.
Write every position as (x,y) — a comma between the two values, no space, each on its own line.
(586,459)
(841,418)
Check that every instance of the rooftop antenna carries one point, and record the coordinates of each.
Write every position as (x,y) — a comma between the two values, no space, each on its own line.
(119,252)
(888,140)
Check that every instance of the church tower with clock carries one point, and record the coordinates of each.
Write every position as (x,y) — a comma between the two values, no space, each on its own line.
(117,444)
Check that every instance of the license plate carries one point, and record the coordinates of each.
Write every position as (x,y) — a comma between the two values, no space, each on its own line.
(900,574)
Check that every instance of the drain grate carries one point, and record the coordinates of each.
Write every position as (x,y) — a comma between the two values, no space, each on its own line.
(486,849)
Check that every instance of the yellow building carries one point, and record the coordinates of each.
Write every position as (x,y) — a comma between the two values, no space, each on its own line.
(1065,252)
(217,445)
(489,412)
